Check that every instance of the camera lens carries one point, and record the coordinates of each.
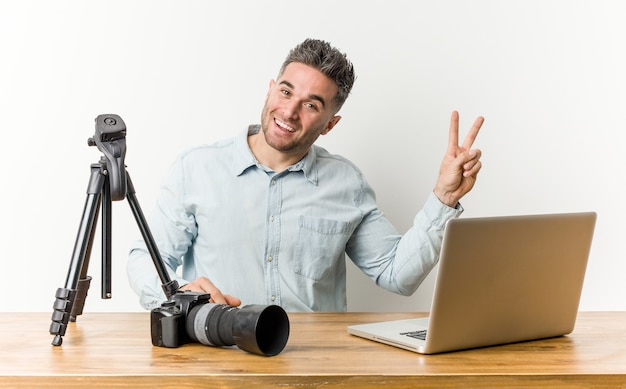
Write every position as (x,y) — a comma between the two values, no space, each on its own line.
(259,329)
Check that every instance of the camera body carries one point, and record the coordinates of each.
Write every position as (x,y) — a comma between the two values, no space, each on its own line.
(168,322)
(188,317)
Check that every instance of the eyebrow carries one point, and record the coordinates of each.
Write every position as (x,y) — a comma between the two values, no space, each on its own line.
(313,97)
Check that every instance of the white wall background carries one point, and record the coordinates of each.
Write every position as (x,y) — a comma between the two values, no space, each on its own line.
(548,76)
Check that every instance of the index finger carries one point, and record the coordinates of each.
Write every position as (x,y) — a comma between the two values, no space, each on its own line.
(473,133)
(453,134)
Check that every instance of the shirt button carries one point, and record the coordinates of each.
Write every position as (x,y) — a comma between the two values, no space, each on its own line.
(269,259)
(271,218)
(273,298)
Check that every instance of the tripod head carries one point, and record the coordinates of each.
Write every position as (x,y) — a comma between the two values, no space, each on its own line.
(110,138)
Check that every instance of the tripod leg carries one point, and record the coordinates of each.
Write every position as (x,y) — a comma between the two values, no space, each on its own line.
(84,281)
(65,297)
(169,286)
(106,240)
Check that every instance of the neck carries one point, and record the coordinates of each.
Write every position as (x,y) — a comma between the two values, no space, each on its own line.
(270,157)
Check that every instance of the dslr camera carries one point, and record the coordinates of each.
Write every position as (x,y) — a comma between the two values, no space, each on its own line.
(189,317)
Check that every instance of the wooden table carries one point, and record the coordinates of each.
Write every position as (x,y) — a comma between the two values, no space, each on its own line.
(114,349)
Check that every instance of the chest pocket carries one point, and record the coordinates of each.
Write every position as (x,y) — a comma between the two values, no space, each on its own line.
(321,243)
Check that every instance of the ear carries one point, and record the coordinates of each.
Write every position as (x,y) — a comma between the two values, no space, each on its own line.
(331,123)
(272,82)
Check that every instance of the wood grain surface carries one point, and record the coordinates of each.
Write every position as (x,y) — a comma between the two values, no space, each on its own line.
(114,350)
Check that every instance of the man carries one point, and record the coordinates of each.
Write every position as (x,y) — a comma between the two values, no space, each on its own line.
(267,217)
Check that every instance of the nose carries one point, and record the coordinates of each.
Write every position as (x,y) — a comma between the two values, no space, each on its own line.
(291,109)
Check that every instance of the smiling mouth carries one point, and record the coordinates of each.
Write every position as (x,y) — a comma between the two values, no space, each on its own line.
(284,125)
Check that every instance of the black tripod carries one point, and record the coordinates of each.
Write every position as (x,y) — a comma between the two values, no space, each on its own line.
(108,182)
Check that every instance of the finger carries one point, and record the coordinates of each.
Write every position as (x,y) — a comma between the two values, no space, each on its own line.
(232,300)
(453,134)
(206,284)
(473,133)
(208,287)
(472,156)
(217,297)
(473,170)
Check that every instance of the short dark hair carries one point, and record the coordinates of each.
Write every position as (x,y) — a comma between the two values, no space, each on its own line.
(328,60)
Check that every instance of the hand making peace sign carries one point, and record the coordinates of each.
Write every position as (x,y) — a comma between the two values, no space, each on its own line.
(460,165)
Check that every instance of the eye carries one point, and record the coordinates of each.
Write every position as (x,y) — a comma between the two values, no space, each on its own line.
(285,92)
(311,106)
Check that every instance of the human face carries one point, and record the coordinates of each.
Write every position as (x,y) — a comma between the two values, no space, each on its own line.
(298,109)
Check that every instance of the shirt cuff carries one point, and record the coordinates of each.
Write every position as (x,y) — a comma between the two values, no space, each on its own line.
(439,213)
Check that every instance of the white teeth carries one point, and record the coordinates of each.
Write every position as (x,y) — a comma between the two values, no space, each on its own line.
(284,125)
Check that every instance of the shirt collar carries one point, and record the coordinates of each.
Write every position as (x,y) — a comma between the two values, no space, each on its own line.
(244,159)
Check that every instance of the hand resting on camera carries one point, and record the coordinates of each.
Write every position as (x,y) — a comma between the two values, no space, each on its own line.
(203,284)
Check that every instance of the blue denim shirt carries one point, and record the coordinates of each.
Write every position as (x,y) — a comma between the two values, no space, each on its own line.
(280,237)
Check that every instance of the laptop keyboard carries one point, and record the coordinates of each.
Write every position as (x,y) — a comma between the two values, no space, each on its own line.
(415,334)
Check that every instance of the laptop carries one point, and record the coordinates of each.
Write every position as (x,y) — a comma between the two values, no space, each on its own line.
(500,280)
